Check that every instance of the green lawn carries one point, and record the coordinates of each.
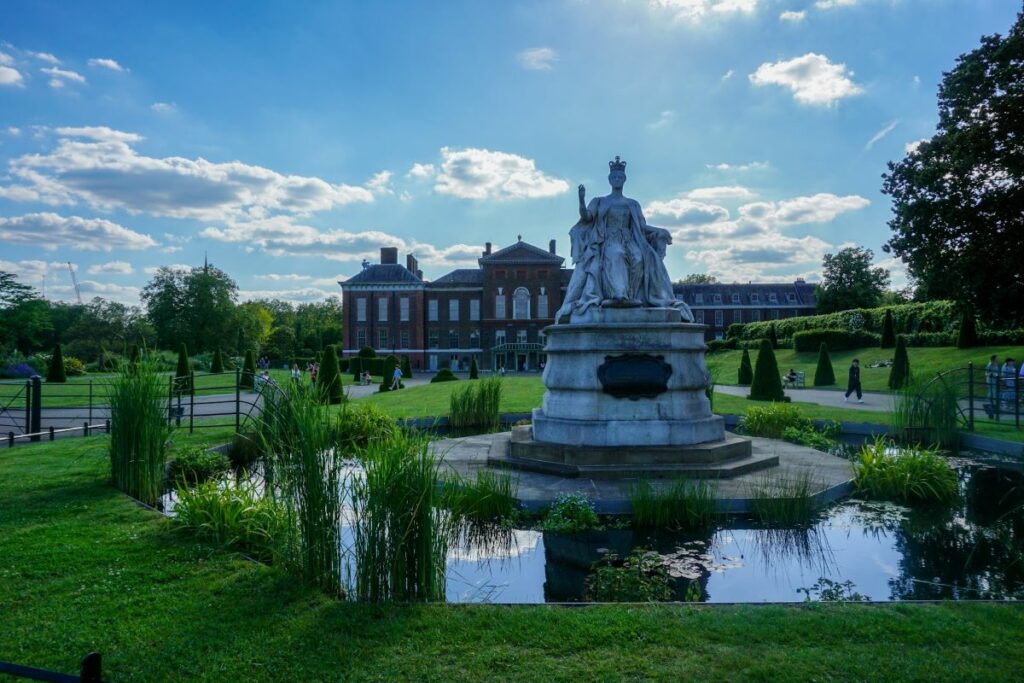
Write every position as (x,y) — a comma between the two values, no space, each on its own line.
(83,568)
(924,362)
(519,395)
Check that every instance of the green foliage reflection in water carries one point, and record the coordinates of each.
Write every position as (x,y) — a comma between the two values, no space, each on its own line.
(680,504)
(138,430)
(640,577)
(488,496)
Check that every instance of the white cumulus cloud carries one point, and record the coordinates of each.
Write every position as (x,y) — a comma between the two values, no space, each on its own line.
(112,268)
(696,11)
(60,76)
(8,74)
(474,173)
(537,58)
(421,171)
(812,79)
(50,231)
(105,63)
(164,107)
(793,16)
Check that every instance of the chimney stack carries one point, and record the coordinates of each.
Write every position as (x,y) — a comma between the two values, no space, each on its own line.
(388,255)
(487,249)
(551,247)
(411,263)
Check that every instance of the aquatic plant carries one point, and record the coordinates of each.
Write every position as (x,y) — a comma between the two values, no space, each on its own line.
(401,537)
(476,406)
(827,590)
(928,412)
(904,475)
(786,501)
(771,420)
(244,450)
(235,516)
(138,430)
(194,465)
(570,513)
(488,496)
(358,423)
(681,504)
(811,438)
(641,576)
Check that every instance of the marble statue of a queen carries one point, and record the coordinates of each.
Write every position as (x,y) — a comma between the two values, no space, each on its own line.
(618,257)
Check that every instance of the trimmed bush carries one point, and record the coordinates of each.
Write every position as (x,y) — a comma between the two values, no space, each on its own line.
(367,352)
(355,366)
(406,367)
(837,340)
(931,339)
(888,331)
(824,375)
(444,375)
(248,378)
(772,420)
(474,372)
(1001,337)
(328,380)
(217,364)
(390,363)
(900,373)
(721,345)
(55,371)
(767,384)
(746,373)
(183,373)
(773,336)
(967,338)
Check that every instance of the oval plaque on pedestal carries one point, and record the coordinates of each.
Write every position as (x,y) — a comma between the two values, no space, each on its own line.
(634,375)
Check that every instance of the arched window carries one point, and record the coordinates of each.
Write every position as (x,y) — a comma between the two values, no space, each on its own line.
(521,304)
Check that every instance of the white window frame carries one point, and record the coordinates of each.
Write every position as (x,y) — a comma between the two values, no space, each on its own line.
(499,305)
(474,309)
(719,318)
(698,298)
(361,310)
(382,310)
(500,337)
(432,310)
(542,304)
(521,297)
(403,309)
(453,310)
(736,298)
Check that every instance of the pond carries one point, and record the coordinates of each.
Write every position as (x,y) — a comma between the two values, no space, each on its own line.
(972,549)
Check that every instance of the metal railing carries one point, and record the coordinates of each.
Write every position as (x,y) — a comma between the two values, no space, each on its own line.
(981,395)
(90,671)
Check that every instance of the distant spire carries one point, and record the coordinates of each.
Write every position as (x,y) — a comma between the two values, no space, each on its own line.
(206,264)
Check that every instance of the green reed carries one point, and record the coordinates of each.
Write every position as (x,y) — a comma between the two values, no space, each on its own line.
(680,504)
(487,496)
(787,501)
(138,430)
(905,474)
(476,406)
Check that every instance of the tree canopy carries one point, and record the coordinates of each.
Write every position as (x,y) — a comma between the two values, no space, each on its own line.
(958,198)
(849,281)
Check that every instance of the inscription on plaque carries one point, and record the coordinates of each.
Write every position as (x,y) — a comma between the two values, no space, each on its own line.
(634,376)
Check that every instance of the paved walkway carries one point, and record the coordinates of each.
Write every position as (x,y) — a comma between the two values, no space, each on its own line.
(877,402)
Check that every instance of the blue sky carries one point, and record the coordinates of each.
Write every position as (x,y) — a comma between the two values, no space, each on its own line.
(290,140)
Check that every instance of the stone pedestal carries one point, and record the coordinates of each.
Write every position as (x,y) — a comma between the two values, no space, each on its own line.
(626,398)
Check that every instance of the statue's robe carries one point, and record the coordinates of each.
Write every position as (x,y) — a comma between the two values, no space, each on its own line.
(588,237)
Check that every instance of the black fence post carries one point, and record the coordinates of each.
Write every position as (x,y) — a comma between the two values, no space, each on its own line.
(238,400)
(170,398)
(90,401)
(28,406)
(970,397)
(52,435)
(108,425)
(10,439)
(91,670)
(1016,400)
(191,400)
(37,407)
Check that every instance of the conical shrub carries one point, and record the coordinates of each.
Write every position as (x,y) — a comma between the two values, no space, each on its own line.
(899,376)
(474,371)
(388,373)
(355,366)
(406,368)
(328,380)
(888,331)
(55,370)
(967,338)
(133,354)
(824,375)
(773,336)
(767,384)
(217,364)
(746,373)
(183,374)
(247,379)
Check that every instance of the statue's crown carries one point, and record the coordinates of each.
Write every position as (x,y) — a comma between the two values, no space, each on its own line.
(617,165)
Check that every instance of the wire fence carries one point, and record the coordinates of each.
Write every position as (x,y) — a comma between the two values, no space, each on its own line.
(983,395)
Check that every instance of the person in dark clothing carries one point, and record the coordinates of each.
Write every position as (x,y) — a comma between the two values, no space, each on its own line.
(854,382)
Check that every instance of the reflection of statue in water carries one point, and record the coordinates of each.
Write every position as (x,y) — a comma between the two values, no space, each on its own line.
(619,259)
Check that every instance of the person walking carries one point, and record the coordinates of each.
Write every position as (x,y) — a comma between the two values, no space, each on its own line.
(853,384)
(313,370)
(1009,374)
(396,379)
(296,373)
(992,379)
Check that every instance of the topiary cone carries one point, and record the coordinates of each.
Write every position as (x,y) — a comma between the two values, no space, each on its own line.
(888,331)
(406,368)
(824,375)
(767,384)
(183,374)
(899,376)
(773,336)
(217,364)
(967,337)
(248,376)
(746,373)
(474,371)
(388,373)
(328,380)
(55,371)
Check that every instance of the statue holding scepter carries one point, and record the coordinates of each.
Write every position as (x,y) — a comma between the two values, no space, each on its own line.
(618,257)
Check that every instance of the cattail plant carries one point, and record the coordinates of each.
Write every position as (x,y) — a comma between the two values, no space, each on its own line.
(138,430)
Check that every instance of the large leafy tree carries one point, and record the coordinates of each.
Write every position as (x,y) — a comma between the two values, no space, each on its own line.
(697,279)
(958,199)
(194,307)
(849,281)
(24,316)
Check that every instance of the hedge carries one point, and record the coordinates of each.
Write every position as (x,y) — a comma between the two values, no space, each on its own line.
(1001,337)
(444,375)
(933,316)
(837,340)
(721,345)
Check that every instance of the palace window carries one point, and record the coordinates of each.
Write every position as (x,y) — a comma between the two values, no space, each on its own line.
(735,298)
(474,309)
(501,274)
(700,317)
(773,298)
(521,304)
(698,298)
(499,305)
(717,298)
(791,298)
(382,338)
(403,309)
(404,336)
(542,273)
(521,336)
(432,310)
(360,310)
(453,310)
(382,310)
(775,314)
(755,316)
(521,274)
(432,339)
(361,337)
(542,304)
(755,298)
(718,318)
(453,339)
(737,316)
(474,339)
(499,337)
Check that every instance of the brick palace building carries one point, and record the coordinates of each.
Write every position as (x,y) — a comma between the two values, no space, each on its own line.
(496,313)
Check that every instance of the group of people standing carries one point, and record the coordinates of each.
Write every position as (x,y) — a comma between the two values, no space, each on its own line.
(1003,382)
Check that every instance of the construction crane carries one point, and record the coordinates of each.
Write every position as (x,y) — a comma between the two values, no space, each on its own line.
(74,281)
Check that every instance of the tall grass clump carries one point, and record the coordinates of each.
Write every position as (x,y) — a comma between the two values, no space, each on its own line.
(681,504)
(401,538)
(928,412)
(488,496)
(783,501)
(475,407)
(235,516)
(904,475)
(138,430)
(772,420)
(306,473)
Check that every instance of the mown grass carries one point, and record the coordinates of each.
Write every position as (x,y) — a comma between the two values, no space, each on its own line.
(923,362)
(82,568)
